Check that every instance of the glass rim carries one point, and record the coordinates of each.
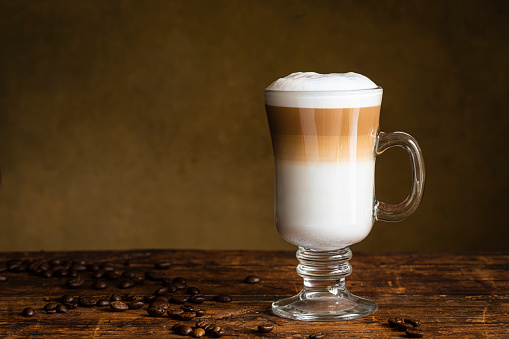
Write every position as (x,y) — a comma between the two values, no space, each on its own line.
(336,91)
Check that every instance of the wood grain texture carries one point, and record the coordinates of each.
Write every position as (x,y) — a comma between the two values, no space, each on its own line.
(455,295)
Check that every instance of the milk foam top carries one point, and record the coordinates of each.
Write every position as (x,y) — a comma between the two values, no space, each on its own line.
(314,90)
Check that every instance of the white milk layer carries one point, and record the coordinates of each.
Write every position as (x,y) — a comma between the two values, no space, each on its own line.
(324,206)
(313,90)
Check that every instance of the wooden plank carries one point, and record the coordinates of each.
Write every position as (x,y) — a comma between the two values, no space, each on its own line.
(455,295)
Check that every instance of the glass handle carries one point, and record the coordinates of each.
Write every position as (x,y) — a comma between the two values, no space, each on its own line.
(397,212)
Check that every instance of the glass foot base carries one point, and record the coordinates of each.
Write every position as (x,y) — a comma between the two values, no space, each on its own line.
(324,306)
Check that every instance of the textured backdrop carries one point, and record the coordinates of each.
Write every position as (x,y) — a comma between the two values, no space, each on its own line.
(141,124)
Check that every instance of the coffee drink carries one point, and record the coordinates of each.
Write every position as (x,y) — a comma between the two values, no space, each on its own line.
(324,132)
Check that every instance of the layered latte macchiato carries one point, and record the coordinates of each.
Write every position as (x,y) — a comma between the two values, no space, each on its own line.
(324,130)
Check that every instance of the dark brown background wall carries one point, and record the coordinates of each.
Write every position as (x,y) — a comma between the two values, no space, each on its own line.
(141,124)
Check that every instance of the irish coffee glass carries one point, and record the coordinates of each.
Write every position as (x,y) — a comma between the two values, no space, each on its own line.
(325,144)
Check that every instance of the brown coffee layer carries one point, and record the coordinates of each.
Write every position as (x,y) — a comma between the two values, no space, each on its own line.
(325,134)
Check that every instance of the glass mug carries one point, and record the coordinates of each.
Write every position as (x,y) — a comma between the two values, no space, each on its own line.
(325,144)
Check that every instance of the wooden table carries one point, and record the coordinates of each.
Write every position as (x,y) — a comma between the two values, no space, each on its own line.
(454,295)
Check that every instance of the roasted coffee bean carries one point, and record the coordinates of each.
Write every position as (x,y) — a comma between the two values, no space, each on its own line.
(71,305)
(3,278)
(79,267)
(183,329)
(155,275)
(217,332)
(317,336)
(198,332)
(75,283)
(197,298)
(403,326)
(29,312)
(155,312)
(61,272)
(47,273)
(180,280)
(393,322)
(175,312)
(87,301)
(193,290)
(265,328)
(72,273)
(179,285)
(93,267)
(126,284)
(51,307)
(186,316)
(223,298)
(174,327)
(179,299)
(200,313)
(187,308)
(135,305)
(414,333)
(413,322)
(129,297)
(103,302)
(107,266)
(138,279)
(252,279)
(160,304)
(161,291)
(171,287)
(118,306)
(149,298)
(3,268)
(79,262)
(202,323)
(128,274)
(162,265)
(61,308)
(99,274)
(115,297)
(99,285)
(67,299)
(162,298)
(111,275)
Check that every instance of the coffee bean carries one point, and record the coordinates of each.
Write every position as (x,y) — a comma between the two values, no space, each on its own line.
(180,280)
(61,308)
(126,284)
(3,278)
(174,327)
(3,268)
(72,273)
(61,272)
(162,298)
(79,267)
(413,322)
(187,308)
(186,316)
(115,297)
(217,332)
(149,298)
(47,273)
(29,312)
(107,266)
(103,302)
(197,298)
(265,328)
(79,262)
(135,305)
(209,327)
(51,308)
(98,274)
(393,322)
(252,279)
(183,329)
(67,298)
(155,312)
(179,285)
(92,267)
(71,305)
(118,306)
(414,333)
(179,299)
(193,290)
(161,291)
(111,275)
(175,312)
(200,313)
(99,285)
(403,326)
(75,283)
(128,274)
(155,275)
(198,332)
(87,301)
(138,279)
(162,265)
(223,298)
(129,297)
(171,287)
(317,336)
